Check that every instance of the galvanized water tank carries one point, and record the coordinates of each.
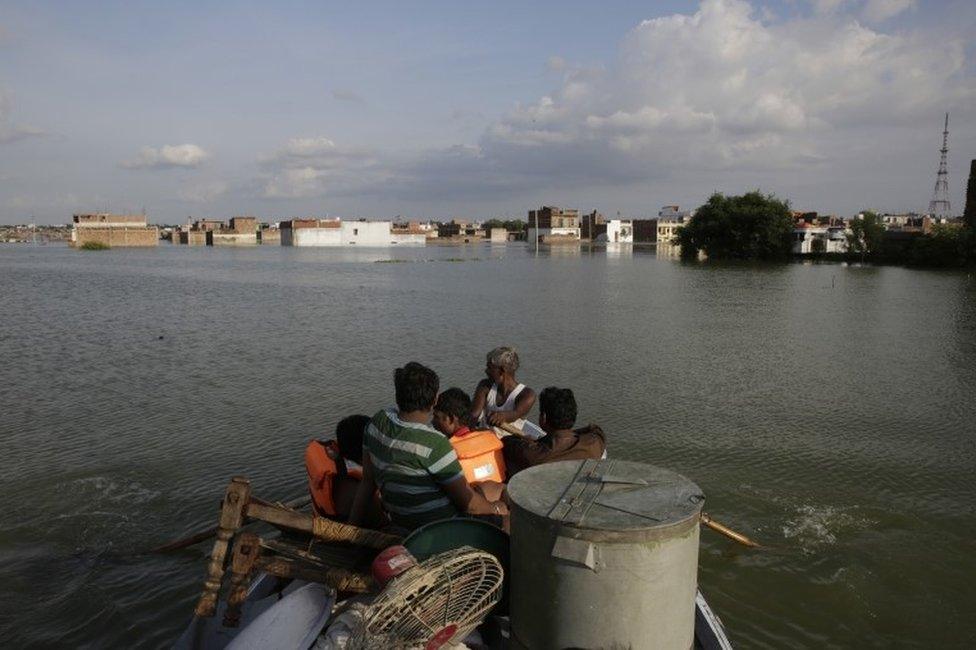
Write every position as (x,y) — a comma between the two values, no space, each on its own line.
(604,555)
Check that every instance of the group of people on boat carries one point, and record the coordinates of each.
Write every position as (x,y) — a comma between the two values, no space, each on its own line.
(438,454)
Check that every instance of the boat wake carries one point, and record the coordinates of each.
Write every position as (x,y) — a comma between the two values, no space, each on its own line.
(106,490)
(814,527)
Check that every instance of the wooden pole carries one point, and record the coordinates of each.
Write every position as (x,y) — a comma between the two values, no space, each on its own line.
(247,548)
(320,527)
(728,532)
(231,518)
(204,535)
(340,579)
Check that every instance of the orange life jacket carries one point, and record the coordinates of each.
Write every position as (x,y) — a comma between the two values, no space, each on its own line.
(325,464)
(480,454)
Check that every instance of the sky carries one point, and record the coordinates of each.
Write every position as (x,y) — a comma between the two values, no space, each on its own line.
(476,110)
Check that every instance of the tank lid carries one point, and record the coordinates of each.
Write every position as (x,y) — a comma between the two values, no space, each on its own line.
(608,495)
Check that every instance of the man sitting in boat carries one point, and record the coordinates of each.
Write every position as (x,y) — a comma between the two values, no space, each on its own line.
(415,467)
(480,452)
(335,470)
(557,415)
(500,399)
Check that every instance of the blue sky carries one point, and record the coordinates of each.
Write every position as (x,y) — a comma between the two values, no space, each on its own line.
(477,109)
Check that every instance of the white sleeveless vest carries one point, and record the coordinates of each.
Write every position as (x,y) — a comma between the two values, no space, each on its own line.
(491,407)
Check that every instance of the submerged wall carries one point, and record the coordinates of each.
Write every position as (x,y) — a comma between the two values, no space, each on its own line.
(117,236)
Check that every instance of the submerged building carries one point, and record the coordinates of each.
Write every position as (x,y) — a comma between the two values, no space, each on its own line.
(552,225)
(113,230)
(620,231)
(335,232)
(241,231)
(671,219)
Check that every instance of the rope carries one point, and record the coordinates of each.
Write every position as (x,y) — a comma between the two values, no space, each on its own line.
(334,531)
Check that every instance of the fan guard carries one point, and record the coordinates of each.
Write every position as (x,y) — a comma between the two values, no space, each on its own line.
(434,603)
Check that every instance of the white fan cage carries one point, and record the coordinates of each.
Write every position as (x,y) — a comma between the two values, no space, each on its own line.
(456,589)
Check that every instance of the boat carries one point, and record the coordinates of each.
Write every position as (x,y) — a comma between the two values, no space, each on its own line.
(294,613)
(314,582)
(281,613)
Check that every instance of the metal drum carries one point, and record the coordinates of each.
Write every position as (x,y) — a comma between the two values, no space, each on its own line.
(604,555)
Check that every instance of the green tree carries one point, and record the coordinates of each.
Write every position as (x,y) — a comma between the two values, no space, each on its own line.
(511,225)
(945,246)
(750,226)
(867,235)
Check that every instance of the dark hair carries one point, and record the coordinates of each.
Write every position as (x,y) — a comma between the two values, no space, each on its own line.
(559,407)
(416,387)
(454,402)
(349,435)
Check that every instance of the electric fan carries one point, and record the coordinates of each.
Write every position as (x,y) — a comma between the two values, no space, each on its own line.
(436,603)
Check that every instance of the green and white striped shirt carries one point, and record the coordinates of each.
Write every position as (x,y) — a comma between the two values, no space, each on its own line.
(410,462)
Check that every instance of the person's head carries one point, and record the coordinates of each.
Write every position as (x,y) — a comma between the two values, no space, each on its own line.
(349,436)
(557,409)
(452,411)
(501,361)
(416,387)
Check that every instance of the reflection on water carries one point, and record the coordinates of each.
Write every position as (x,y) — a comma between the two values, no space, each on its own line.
(826,410)
(616,251)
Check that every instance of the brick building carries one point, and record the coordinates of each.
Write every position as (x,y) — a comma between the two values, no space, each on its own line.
(120,230)
(550,224)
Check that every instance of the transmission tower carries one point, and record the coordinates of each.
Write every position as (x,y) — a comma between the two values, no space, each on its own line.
(939,205)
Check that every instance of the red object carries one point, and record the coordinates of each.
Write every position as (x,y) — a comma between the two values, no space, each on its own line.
(390,563)
(463,431)
(443,636)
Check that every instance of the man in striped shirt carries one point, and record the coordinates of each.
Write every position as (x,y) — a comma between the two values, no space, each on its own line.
(414,466)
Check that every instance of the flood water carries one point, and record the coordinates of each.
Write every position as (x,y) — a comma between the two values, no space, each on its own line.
(827,411)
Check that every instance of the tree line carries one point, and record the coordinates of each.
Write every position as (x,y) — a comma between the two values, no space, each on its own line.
(760,226)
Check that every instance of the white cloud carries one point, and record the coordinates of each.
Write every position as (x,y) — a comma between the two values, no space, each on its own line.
(316,152)
(301,182)
(314,166)
(10,131)
(721,88)
(722,96)
(878,10)
(556,64)
(827,6)
(168,156)
(16,132)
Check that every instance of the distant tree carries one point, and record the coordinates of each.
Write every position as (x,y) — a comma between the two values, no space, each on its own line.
(945,246)
(867,235)
(750,226)
(511,225)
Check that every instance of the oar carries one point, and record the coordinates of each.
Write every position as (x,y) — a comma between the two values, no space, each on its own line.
(728,532)
(204,535)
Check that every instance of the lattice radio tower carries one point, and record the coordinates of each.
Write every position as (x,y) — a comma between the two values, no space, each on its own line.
(939,205)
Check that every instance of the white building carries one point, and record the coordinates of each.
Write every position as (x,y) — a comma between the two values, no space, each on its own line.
(620,231)
(667,230)
(819,239)
(334,232)
(670,219)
